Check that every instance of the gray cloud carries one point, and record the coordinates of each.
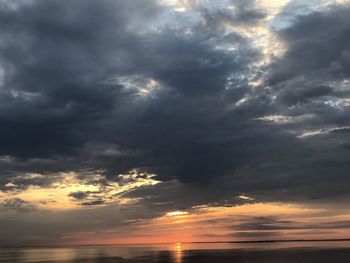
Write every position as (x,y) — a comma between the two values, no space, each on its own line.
(239,13)
(273,223)
(58,98)
(261,235)
(18,205)
(103,86)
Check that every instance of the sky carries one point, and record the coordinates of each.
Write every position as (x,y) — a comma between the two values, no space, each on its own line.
(153,121)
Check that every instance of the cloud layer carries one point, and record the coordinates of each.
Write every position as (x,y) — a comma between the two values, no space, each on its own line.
(132,109)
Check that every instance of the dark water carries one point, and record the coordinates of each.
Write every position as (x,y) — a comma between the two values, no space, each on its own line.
(301,252)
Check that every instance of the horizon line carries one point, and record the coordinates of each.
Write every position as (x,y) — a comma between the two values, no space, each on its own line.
(196,242)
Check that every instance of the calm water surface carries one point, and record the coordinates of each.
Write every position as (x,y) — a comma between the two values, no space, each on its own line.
(301,252)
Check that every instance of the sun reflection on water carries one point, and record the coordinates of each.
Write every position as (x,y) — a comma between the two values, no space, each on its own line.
(177,253)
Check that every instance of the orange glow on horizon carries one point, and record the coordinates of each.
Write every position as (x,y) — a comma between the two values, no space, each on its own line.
(222,224)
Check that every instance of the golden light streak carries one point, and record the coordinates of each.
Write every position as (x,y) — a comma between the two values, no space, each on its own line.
(177,214)
(244,197)
(57,195)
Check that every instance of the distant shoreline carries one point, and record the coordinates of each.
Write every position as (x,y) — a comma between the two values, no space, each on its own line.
(291,240)
(204,242)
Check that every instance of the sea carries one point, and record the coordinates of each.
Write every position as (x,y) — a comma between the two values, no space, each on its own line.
(263,252)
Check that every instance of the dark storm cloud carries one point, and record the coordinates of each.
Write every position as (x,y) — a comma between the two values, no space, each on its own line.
(311,78)
(317,51)
(53,62)
(100,86)
(64,106)
(58,96)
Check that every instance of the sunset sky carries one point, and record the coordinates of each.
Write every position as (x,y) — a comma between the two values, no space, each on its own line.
(150,121)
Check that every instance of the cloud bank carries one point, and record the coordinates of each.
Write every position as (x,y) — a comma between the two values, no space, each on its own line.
(121,111)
